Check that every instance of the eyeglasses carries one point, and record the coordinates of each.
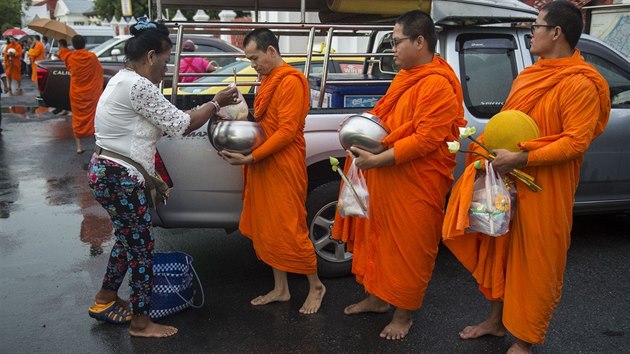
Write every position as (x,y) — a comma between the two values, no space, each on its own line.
(395,42)
(535,26)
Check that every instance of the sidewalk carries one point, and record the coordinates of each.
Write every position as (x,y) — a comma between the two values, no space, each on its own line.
(27,98)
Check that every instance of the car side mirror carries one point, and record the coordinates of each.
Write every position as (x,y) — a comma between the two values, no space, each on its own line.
(387,65)
(115,52)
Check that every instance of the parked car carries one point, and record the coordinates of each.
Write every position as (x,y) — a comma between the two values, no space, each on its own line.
(54,79)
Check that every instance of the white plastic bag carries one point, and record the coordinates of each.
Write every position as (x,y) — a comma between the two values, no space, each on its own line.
(237,111)
(354,197)
(489,211)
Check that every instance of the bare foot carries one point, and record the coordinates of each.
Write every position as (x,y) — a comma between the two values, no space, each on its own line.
(520,347)
(399,326)
(152,329)
(273,296)
(369,304)
(313,300)
(487,327)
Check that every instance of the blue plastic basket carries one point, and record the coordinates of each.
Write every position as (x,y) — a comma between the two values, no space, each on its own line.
(173,291)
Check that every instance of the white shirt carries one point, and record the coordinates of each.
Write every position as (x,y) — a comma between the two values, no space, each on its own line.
(132,115)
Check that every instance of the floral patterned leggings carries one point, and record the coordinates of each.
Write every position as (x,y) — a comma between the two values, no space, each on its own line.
(122,195)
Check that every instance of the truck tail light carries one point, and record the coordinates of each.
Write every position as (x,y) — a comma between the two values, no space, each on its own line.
(42,76)
(161,169)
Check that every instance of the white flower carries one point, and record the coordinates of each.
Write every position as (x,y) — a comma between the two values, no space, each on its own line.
(466,132)
(453,146)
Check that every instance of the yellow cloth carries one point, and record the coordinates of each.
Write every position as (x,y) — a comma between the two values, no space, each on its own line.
(12,63)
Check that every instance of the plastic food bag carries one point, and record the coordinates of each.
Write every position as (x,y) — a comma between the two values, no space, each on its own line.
(354,198)
(237,111)
(490,210)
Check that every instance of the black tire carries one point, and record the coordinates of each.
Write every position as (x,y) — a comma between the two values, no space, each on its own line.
(332,258)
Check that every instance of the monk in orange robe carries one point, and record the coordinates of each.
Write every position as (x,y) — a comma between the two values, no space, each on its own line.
(408,183)
(37,52)
(13,66)
(521,273)
(86,86)
(274,195)
(63,49)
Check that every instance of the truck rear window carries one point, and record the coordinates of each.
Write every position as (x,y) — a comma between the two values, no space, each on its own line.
(487,67)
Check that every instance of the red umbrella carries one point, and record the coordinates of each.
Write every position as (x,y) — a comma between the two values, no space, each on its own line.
(13,32)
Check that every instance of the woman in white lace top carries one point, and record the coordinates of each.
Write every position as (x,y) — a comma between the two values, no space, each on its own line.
(131,117)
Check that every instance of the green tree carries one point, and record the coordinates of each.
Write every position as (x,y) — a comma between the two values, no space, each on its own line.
(11,12)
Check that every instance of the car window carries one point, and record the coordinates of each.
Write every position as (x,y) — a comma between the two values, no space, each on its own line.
(108,55)
(217,76)
(212,49)
(487,68)
(618,79)
(104,45)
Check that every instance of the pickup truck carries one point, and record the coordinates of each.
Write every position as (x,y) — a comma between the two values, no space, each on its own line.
(206,191)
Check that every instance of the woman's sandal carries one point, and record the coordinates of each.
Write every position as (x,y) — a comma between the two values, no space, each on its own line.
(113,312)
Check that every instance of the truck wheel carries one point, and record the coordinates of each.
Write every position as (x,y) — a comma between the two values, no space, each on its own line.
(332,258)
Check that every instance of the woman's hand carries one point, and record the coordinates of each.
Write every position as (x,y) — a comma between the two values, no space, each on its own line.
(235,158)
(227,96)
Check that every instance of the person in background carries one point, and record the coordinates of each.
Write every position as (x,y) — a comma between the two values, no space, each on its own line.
(521,273)
(274,194)
(86,85)
(131,116)
(396,246)
(193,64)
(46,47)
(35,53)
(12,62)
(26,60)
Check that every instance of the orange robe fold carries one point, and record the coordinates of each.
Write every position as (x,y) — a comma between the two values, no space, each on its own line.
(36,53)
(86,86)
(274,195)
(13,64)
(396,246)
(62,53)
(570,102)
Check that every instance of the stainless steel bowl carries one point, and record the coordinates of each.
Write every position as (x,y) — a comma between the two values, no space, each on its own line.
(236,135)
(364,131)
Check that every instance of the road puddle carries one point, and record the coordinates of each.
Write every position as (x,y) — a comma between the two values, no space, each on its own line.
(30,112)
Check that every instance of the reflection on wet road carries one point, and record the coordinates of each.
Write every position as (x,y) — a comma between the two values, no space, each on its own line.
(55,240)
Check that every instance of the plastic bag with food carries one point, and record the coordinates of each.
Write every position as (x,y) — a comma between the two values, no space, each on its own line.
(490,210)
(354,197)
(237,111)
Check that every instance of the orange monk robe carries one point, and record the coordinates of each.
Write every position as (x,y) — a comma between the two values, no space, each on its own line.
(423,110)
(274,195)
(37,52)
(86,86)
(570,102)
(12,64)
(62,53)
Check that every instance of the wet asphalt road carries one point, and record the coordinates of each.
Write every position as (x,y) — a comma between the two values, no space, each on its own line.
(55,240)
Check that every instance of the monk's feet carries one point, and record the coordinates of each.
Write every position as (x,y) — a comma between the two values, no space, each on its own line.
(399,327)
(520,347)
(313,300)
(272,296)
(147,328)
(487,327)
(369,304)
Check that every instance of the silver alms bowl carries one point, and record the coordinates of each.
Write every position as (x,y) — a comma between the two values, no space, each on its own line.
(236,135)
(364,131)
